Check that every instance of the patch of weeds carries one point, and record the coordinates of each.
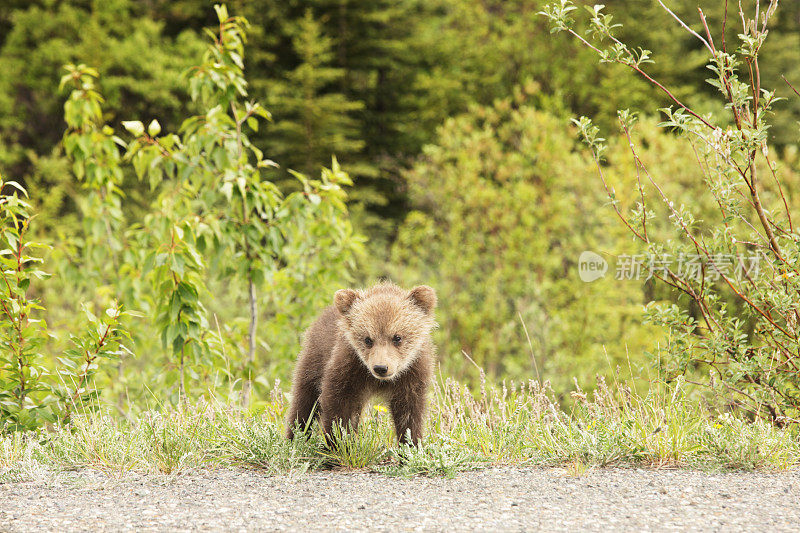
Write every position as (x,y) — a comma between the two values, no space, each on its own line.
(12,449)
(170,442)
(14,454)
(732,444)
(95,441)
(256,442)
(429,459)
(358,449)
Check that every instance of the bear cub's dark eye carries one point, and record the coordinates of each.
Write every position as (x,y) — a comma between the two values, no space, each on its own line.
(368,342)
(396,340)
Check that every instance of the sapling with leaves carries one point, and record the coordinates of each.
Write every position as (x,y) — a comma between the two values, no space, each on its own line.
(101,342)
(96,163)
(735,330)
(101,264)
(22,334)
(30,393)
(213,179)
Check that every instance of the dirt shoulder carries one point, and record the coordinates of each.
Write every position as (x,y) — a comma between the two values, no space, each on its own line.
(497,499)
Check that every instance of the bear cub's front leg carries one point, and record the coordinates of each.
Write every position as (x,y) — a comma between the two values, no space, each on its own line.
(345,390)
(408,413)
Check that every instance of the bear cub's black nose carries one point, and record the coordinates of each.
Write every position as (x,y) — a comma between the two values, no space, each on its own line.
(380,369)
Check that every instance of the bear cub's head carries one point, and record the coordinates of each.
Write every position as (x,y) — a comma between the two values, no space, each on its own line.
(386,325)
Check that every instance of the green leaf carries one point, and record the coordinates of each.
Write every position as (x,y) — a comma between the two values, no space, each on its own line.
(154,128)
(222,12)
(135,127)
(16,186)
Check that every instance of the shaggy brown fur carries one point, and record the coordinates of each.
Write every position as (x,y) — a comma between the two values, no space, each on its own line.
(374,341)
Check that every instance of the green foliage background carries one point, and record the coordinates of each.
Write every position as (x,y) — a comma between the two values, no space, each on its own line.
(450,116)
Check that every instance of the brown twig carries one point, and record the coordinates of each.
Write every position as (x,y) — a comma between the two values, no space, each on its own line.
(647,77)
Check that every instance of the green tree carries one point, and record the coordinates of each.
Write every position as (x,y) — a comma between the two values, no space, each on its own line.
(481,51)
(312,119)
(94,151)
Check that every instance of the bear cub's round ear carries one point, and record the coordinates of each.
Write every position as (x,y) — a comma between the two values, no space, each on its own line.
(344,299)
(424,297)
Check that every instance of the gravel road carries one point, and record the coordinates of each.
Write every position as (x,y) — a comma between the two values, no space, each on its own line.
(500,499)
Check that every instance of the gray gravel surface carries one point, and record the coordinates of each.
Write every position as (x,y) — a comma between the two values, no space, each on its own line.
(500,499)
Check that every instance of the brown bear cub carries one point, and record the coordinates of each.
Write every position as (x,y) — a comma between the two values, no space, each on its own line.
(370,342)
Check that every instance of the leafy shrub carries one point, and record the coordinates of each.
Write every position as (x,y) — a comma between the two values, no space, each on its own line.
(30,394)
(734,329)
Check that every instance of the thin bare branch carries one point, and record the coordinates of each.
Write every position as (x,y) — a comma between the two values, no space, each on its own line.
(686,27)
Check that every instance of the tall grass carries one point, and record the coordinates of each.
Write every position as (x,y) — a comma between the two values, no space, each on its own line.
(515,424)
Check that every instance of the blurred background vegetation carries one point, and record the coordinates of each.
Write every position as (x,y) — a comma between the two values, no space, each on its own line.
(451,117)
